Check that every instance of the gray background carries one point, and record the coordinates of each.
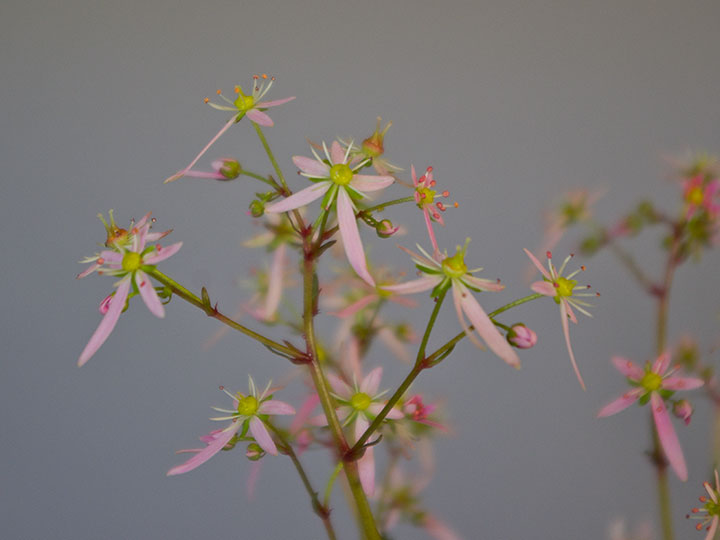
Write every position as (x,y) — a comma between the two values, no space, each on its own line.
(511,102)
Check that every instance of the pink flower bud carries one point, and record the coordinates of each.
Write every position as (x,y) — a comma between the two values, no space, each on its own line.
(229,168)
(254,452)
(385,229)
(683,410)
(521,336)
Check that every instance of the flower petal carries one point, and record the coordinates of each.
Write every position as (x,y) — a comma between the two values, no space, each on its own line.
(262,437)
(682,383)
(260,117)
(162,253)
(301,198)
(371,382)
(337,154)
(108,322)
(305,409)
(366,464)
(340,387)
(356,306)
(274,406)
(621,403)
(275,283)
(221,439)
(544,287)
(566,332)
(668,437)
(414,286)
(369,182)
(661,363)
(312,167)
(274,103)
(482,284)
(181,173)
(149,296)
(713,528)
(393,414)
(351,236)
(537,264)
(627,368)
(484,326)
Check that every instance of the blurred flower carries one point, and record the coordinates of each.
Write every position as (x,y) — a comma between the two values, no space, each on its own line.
(710,512)
(618,531)
(656,384)
(339,183)
(683,409)
(250,412)
(128,258)
(563,289)
(425,198)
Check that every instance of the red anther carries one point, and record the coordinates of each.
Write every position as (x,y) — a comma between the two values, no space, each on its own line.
(101,261)
(436,215)
(236,89)
(143,283)
(659,408)
(699,527)
(432,183)
(429,169)
(556,285)
(221,387)
(548,254)
(572,254)
(158,247)
(446,193)
(423,196)
(597,294)
(206,100)
(272,78)
(153,220)
(264,75)
(583,268)
(441,206)
(255,77)
(100,272)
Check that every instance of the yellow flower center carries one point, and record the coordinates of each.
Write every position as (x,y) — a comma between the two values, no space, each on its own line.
(454,266)
(695,196)
(565,286)
(341,174)
(427,196)
(360,401)
(244,103)
(131,261)
(247,406)
(651,381)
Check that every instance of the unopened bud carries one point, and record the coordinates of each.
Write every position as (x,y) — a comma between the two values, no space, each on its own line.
(521,336)
(373,146)
(385,229)
(683,410)
(254,452)
(229,168)
(257,208)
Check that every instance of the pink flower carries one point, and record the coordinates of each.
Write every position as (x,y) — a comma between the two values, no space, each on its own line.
(441,272)
(710,512)
(250,412)
(656,384)
(129,259)
(563,289)
(683,410)
(244,105)
(700,195)
(372,148)
(418,411)
(339,183)
(521,336)
(361,403)
(425,198)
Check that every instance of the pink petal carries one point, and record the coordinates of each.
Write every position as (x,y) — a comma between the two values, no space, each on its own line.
(414,176)
(108,322)
(661,363)
(206,174)
(301,198)
(275,283)
(366,464)
(566,332)
(544,287)
(627,368)
(437,529)
(139,238)
(206,453)
(111,256)
(537,264)
(273,406)
(368,182)
(337,154)
(393,414)
(351,236)
(620,404)
(163,253)
(682,383)
(253,479)
(274,103)
(305,409)
(353,308)
(262,437)
(180,174)
(339,386)
(312,167)
(668,437)
(713,528)
(89,270)
(414,286)
(149,296)
(484,326)
(482,284)
(259,117)
(391,341)
(371,382)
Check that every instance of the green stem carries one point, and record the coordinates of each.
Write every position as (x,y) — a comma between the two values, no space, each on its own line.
(382,206)
(256,176)
(188,296)
(321,510)
(331,483)
(364,512)
(271,156)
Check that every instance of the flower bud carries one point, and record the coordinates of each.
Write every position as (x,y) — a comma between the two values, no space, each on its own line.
(683,410)
(229,168)
(257,208)
(521,336)
(254,452)
(373,146)
(385,229)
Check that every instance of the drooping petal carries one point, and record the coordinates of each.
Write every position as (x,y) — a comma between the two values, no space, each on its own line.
(274,406)
(482,284)
(311,167)
(366,464)
(275,283)
(682,383)
(544,287)
(627,368)
(301,198)
(668,437)
(566,332)
(368,182)
(181,173)
(302,416)
(415,285)
(162,253)
(259,117)
(438,529)
(274,103)
(371,382)
(621,403)
(149,296)
(339,386)
(484,326)
(661,363)
(220,440)
(353,308)
(262,437)
(351,237)
(337,154)
(537,264)
(89,270)
(108,322)
(391,341)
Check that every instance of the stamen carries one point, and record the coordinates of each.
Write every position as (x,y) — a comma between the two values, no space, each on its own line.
(101,261)
(582,267)
(441,206)
(446,193)
(548,254)
(218,92)
(236,89)
(206,100)
(455,204)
